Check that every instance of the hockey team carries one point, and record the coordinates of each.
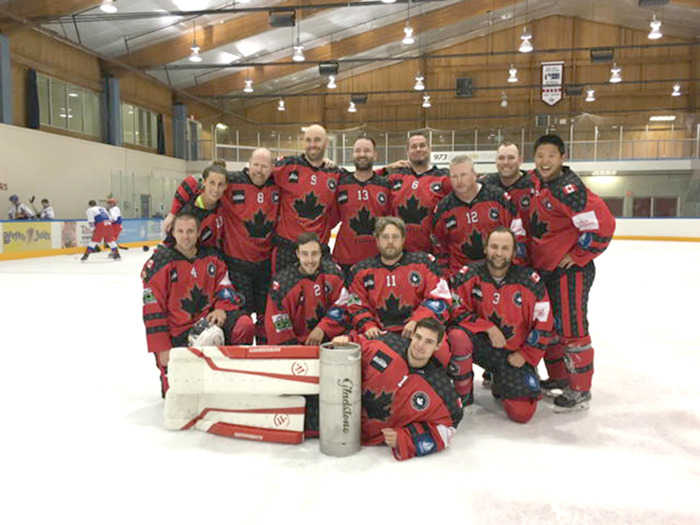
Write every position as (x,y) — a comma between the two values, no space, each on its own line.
(432,270)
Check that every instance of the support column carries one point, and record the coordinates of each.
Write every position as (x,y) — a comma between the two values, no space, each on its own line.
(114,135)
(6,116)
(180,131)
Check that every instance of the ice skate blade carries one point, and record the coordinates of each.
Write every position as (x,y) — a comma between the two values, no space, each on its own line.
(554,392)
(578,407)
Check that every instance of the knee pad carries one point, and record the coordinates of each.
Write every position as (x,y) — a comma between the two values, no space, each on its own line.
(242,332)
(520,409)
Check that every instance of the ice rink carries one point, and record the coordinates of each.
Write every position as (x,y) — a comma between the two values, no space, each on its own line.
(83,440)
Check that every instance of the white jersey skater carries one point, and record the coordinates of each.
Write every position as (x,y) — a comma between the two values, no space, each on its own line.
(46,213)
(97,215)
(20,211)
(115,215)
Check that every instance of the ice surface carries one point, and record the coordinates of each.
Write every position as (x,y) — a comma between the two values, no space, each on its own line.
(83,442)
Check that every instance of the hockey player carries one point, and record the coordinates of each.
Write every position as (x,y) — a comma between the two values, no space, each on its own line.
(18,210)
(362,197)
(183,284)
(46,213)
(98,219)
(115,217)
(395,290)
(408,402)
(570,226)
(415,190)
(307,196)
(510,178)
(503,319)
(465,217)
(300,305)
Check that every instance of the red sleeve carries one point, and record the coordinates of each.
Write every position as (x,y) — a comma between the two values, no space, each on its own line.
(464,313)
(596,226)
(335,322)
(278,322)
(362,316)
(155,314)
(541,334)
(440,241)
(437,300)
(422,438)
(186,192)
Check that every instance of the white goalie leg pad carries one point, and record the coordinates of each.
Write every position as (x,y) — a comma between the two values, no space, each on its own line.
(277,419)
(244,370)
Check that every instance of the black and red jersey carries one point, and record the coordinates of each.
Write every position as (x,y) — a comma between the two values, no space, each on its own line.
(521,193)
(297,303)
(211,222)
(420,404)
(518,305)
(186,192)
(566,217)
(387,297)
(413,198)
(460,228)
(358,205)
(178,292)
(307,198)
(250,214)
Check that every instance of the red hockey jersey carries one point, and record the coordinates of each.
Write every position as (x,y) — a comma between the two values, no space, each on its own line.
(178,292)
(307,198)
(358,205)
(460,228)
(566,217)
(518,306)
(297,303)
(421,404)
(387,297)
(413,198)
(521,194)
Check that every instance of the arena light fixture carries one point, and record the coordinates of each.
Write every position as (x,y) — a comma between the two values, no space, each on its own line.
(676,90)
(194,57)
(426,101)
(331,82)
(408,35)
(655,32)
(388,1)
(419,85)
(512,74)
(616,76)
(298,55)
(107,6)
(525,45)
(248,86)
(352,108)
(662,118)
(590,95)
(504,100)
(280,105)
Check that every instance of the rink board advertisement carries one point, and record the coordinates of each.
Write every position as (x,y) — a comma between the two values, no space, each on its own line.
(40,238)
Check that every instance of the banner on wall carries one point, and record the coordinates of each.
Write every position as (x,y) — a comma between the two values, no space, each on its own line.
(23,237)
(69,234)
(552,82)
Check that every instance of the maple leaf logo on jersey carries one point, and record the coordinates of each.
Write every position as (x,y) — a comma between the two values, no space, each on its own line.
(391,314)
(413,212)
(377,406)
(498,321)
(195,303)
(537,227)
(259,228)
(309,208)
(363,224)
(313,321)
(474,247)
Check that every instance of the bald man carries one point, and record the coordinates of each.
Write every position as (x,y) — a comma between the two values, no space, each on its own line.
(307,197)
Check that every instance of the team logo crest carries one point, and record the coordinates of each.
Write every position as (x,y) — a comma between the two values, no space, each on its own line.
(414,278)
(518,299)
(342,197)
(436,187)
(173,275)
(327,287)
(585,239)
(275,196)
(525,202)
(420,401)
(493,214)
(294,176)
(211,269)
(381,198)
(397,185)
(368,282)
(148,297)
(332,184)
(547,204)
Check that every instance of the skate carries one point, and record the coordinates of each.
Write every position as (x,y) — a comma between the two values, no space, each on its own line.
(553,387)
(115,256)
(84,257)
(572,401)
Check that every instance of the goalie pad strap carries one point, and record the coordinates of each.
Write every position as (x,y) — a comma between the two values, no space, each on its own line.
(256,434)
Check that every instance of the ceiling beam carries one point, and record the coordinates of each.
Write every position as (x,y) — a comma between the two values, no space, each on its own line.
(211,37)
(29,9)
(356,44)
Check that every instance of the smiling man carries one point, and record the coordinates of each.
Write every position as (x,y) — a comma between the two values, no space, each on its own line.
(570,226)
(408,402)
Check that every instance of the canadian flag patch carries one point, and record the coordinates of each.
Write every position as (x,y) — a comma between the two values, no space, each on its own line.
(569,188)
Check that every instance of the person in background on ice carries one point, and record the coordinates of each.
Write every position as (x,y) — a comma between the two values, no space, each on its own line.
(98,219)
(18,210)
(115,217)
(46,212)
